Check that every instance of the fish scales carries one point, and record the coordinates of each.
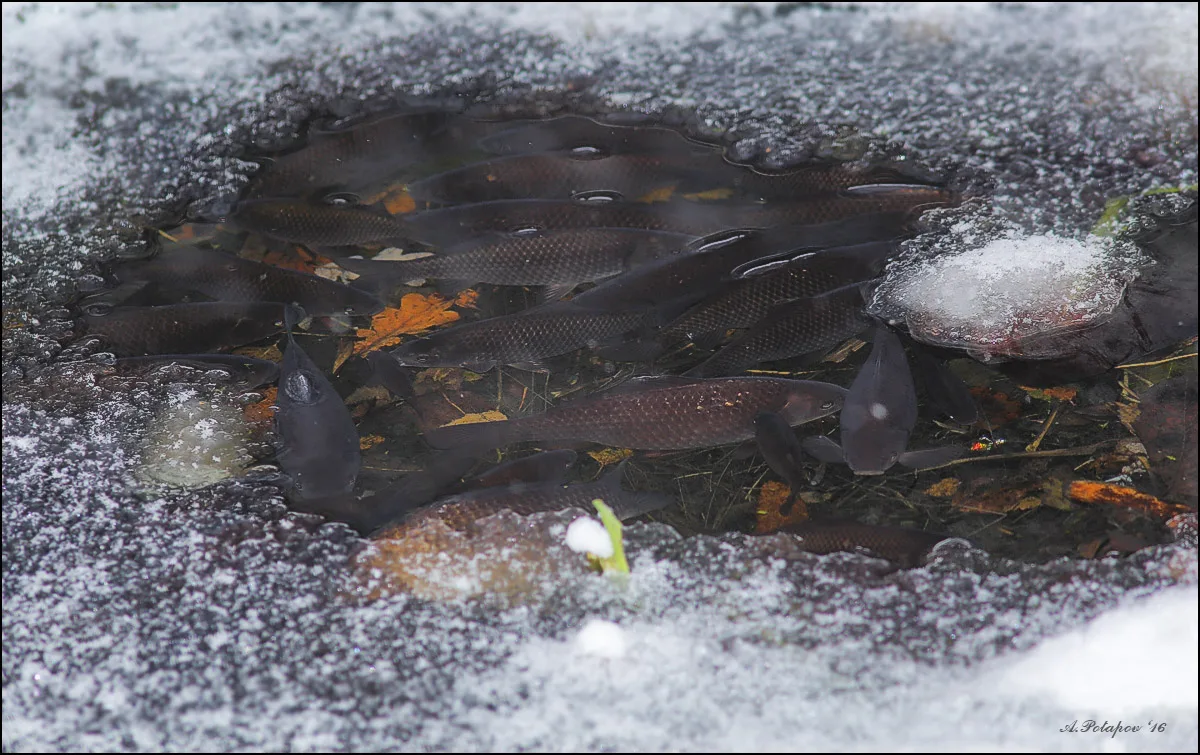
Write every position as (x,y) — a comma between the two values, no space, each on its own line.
(229,278)
(316,223)
(800,327)
(184,328)
(523,338)
(900,545)
(543,258)
(747,301)
(656,415)
(452,225)
(829,208)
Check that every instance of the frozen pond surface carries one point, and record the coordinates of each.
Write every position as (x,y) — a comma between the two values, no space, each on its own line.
(217,620)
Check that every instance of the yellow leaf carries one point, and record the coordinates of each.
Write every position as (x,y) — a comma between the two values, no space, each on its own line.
(711,194)
(416,313)
(944,488)
(345,349)
(606,456)
(469,419)
(658,195)
(367,441)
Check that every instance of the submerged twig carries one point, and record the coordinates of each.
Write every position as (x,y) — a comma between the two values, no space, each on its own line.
(1175,358)
(1045,429)
(1079,451)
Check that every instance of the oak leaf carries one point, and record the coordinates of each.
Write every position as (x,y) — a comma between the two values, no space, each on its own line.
(416,313)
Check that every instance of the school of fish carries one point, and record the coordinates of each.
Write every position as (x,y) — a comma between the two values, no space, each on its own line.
(640,244)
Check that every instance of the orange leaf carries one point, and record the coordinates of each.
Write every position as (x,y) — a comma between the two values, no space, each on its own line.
(299,259)
(367,441)
(1116,495)
(395,200)
(345,349)
(770,498)
(943,489)
(416,313)
(466,298)
(261,411)
(710,195)
(1051,394)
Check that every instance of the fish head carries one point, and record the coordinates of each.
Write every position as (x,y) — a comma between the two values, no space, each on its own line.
(809,400)
(303,388)
(871,441)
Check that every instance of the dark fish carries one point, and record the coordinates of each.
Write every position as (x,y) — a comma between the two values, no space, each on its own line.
(563,175)
(881,408)
(578,132)
(815,181)
(522,339)
(547,466)
(187,328)
(318,445)
(712,262)
(317,224)
(748,300)
(658,413)
(794,328)
(541,258)
(903,546)
(945,390)
(389,374)
(351,158)
(852,202)
(461,511)
(454,225)
(250,370)
(777,443)
(228,278)
(827,451)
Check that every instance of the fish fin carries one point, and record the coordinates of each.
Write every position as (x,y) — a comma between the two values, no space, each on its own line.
(530,365)
(744,450)
(386,371)
(626,504)
(929,458)
(474,436)
(293,315)
(649,382)
(823,449)
(555,292)
(419,488)
(769,262)
(544,467)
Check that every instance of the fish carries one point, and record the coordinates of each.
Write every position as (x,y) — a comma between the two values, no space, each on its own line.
(522,339)
(447,226)
(571,132)
(226,277)
(317,442)
(317,225)
(945,390)
(349,159)
(903,546)
(711,263)
(250,370)
(657,413)
(560,258)
(828,451)
(461,511)
(386,372)
(881,407)
(814,181)
(778,444)
(908,200)
(563,175)
(182,328)
(749,299)
(546,466)
(793,328)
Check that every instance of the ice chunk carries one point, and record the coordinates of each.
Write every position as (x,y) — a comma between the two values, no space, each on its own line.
(995,293)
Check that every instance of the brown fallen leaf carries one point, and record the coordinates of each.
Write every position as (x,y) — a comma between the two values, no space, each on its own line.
(607,456)
(299,259)
(1051,394)
(262,411)
(662,194)
(416,313)
(771,497)
(944,488)
(395,199)
(1129,498)
(345,349)
(710,195)
(490,415)
(997,406)
(270,353)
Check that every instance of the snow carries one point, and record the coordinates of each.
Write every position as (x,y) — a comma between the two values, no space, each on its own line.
(214,619)
(993,296)
(586,535)
(603,639)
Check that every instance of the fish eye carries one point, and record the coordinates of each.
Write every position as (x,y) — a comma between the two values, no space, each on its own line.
(98,309)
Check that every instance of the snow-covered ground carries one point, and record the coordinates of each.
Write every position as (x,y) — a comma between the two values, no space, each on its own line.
(216,620)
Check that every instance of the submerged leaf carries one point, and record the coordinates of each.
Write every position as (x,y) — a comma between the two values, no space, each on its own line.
(771,497)
(262,411)
(1117,495)
(416,313)
(470,419)
(606,456)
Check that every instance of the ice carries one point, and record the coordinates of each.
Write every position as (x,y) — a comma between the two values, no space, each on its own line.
(214,619)
(994,292)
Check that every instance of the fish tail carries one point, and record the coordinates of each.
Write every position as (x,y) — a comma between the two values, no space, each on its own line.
(477,435)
